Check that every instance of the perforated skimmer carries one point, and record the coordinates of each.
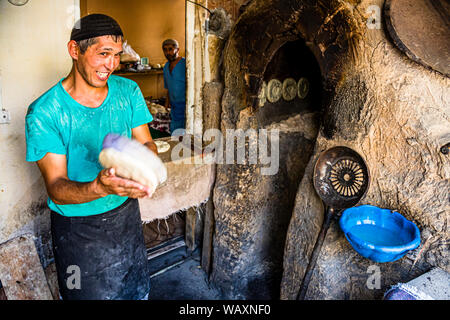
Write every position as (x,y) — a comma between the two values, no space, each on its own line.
(341,178)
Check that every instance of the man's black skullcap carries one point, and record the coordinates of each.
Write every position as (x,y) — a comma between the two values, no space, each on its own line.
(95,25)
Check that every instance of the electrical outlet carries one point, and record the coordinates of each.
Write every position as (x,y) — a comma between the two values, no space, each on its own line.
(5,117)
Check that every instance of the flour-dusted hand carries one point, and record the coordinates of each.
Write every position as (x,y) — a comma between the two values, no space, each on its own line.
(109,183)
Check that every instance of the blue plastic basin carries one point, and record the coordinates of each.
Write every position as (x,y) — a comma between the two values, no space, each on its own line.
(381,235)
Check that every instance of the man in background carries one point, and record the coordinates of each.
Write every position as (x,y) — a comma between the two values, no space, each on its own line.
(175,82)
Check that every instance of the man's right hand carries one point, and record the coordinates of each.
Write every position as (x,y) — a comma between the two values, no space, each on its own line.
(62,190)
(108,182)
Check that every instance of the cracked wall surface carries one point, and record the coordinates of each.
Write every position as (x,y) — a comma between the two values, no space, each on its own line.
(24,77)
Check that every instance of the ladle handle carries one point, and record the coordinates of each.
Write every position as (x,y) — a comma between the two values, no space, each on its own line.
(315,253)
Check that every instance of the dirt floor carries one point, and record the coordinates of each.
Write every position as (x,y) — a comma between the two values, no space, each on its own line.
(176,275)
(186,281)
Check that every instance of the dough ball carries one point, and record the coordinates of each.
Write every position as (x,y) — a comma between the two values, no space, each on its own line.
(162,146)
(132,160)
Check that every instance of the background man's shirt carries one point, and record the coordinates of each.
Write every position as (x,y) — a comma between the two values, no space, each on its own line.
(175,82)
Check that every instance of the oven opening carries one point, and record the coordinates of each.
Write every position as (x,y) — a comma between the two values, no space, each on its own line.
(164,240)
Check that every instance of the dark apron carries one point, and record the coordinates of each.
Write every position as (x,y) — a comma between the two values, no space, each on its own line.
(106,252)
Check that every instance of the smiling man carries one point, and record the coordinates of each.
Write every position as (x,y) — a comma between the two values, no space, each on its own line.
(97,233)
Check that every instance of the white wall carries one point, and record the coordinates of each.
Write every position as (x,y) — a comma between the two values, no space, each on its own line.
(33,57)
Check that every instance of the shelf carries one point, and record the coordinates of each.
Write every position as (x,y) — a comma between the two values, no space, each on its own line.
(140,73)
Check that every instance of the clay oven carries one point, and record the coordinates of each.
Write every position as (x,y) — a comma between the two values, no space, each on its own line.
(364,94)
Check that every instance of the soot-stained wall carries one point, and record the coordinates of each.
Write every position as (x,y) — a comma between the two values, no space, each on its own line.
(253,210)
(389,109)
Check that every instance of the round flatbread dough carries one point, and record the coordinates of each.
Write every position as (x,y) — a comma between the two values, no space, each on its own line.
(133,161)
(128,167)
(262,95)
(274,88)
(289,89)
(303,88)
(162,146)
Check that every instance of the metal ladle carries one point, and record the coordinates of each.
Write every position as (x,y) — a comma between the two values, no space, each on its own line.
(341,179)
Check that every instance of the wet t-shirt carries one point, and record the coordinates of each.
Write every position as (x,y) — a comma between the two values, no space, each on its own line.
(56,123)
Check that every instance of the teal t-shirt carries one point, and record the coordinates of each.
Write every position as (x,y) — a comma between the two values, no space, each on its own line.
(175,82)
(56,123)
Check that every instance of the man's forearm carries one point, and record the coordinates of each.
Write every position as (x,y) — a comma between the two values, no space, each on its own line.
(64,191)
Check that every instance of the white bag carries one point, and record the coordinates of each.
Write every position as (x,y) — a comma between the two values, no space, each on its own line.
(129,55)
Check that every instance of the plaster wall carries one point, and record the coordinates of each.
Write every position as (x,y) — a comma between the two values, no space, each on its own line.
(33,57)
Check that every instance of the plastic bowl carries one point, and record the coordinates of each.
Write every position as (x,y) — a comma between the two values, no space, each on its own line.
(381,235)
